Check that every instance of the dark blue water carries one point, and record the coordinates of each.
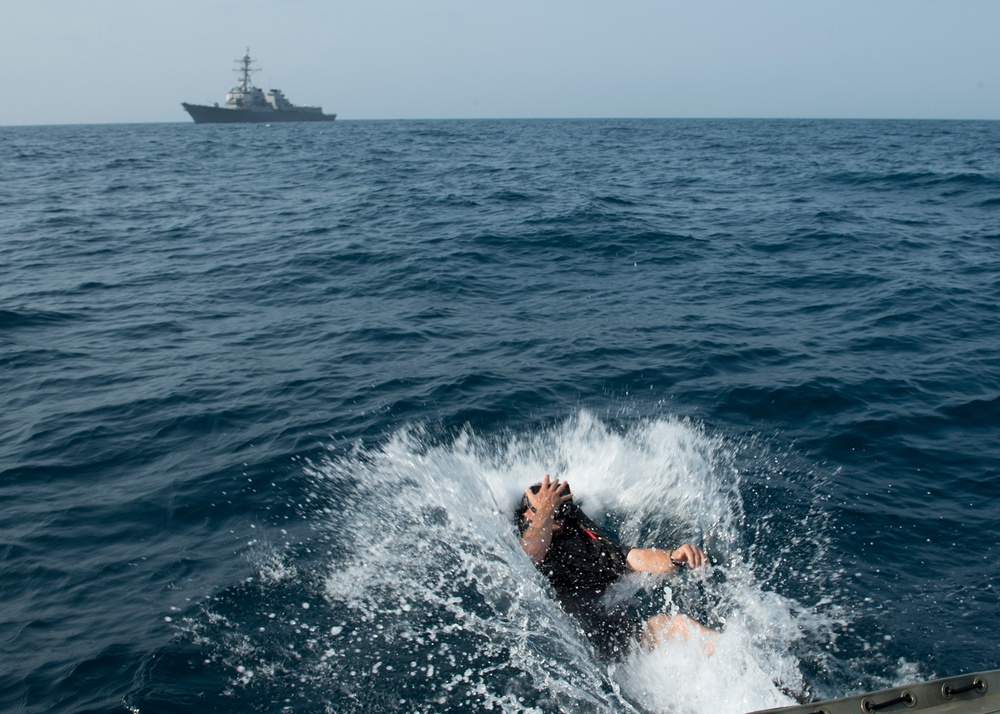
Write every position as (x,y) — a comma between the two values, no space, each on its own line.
(271,392)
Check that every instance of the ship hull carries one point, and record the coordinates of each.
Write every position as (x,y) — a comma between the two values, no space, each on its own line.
(965,694)
(203,114)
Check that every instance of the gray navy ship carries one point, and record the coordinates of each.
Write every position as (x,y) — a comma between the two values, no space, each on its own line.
(247,104)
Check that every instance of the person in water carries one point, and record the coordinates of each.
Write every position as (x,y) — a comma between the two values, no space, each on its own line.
(581,562)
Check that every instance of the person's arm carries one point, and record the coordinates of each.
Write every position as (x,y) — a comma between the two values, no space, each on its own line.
(538,536)
(655,560)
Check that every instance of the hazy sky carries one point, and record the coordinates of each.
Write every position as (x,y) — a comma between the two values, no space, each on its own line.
(89,61)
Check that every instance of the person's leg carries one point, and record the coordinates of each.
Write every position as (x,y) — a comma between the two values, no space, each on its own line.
(660,628)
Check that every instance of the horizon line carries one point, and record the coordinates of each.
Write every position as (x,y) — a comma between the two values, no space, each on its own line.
(543,118)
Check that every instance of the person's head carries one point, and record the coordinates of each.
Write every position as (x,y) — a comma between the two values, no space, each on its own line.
(566,512)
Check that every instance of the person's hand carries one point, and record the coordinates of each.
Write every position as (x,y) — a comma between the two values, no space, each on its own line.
(549,498)
(691,555)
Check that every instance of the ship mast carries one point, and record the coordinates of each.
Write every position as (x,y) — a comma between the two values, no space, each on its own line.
(245,62)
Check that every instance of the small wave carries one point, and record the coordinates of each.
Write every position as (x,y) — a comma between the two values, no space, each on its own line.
(119,163)
(975,413)
(151,330)
(806,239)
(508,196)
(455,200)
(94,285)
(615,201)
(34,318)
(809,400)
(915,179)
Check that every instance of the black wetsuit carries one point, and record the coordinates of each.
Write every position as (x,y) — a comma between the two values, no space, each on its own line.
(581,563)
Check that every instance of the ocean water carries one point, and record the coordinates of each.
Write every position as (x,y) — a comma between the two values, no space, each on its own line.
(271,392)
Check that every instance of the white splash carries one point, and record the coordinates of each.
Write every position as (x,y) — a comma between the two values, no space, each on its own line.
(432,562)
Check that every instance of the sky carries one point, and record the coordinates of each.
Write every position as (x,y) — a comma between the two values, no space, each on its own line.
(99,61)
